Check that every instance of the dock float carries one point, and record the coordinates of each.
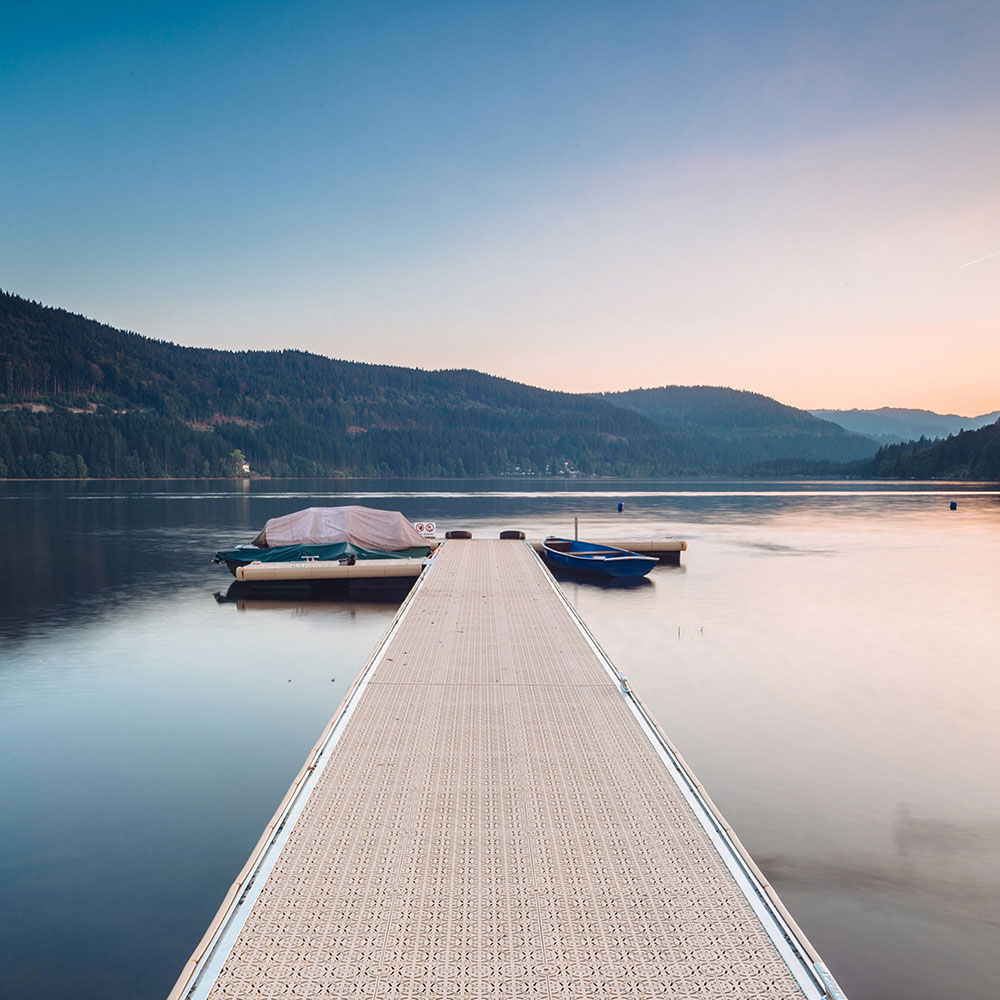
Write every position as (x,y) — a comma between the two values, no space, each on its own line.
(311,579)
(493,813)
(366,569)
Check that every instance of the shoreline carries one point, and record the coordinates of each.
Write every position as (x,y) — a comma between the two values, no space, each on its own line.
(512,478)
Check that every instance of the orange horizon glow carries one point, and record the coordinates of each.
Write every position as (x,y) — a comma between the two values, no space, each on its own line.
(804,205)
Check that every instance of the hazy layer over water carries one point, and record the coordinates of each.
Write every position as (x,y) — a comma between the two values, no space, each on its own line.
(825,658)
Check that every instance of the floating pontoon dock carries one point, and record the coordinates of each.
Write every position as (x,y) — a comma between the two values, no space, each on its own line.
(493,813)
(366,569)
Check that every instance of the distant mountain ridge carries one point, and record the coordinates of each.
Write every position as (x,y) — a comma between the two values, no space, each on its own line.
(893,425)
(746,426)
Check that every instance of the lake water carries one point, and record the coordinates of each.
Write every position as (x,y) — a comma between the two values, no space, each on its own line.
(826,659)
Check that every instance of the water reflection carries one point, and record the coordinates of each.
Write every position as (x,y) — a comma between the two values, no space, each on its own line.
(950,866)
(316,599)
(776,548)
(824,662)
(565,576)
(920,836)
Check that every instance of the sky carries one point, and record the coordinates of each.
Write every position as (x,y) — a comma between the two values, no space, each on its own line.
(800,199)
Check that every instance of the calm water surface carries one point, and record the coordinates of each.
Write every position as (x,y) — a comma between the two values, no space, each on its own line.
(826,658)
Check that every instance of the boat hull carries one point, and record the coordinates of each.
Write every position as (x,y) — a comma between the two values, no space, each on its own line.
(596,560)
(338,552)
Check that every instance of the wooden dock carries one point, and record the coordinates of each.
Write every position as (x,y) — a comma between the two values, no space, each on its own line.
(492,813)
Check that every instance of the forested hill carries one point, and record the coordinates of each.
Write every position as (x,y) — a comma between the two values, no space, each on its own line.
(79,397)
(746,427)
(968,455)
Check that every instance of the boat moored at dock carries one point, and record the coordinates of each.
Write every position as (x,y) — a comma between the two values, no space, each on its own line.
(666,551)
(596,559)
(342,535)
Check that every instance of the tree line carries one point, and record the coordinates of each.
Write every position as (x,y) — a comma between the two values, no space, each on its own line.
(80,398)
(966,455)
(119,404)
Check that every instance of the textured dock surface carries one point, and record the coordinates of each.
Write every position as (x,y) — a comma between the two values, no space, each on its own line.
(493,821)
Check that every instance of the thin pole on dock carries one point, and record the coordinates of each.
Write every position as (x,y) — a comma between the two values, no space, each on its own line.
(576,529)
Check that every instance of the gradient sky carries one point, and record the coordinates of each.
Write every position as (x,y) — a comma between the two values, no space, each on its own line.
(771,196)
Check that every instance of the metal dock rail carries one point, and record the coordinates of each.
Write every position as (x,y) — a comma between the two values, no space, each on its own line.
(492,813)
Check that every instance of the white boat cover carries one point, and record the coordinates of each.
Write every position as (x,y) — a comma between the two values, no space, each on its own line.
(362,526)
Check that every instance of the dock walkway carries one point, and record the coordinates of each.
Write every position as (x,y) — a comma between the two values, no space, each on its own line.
(491,815)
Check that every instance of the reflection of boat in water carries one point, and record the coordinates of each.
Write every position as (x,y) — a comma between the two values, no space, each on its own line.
(315,593)
(345,535)
(596,560)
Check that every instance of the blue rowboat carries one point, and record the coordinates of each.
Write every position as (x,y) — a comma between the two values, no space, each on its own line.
(601,560)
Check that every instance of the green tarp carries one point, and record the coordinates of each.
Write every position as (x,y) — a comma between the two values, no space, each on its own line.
(324,553)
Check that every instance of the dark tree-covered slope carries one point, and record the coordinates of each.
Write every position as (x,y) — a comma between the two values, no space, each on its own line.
(79,395)
(968,455)
(748,429)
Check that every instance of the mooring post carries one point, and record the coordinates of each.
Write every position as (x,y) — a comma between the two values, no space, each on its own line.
(576,529)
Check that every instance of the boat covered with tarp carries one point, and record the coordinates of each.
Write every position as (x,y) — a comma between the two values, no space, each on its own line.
(323,534)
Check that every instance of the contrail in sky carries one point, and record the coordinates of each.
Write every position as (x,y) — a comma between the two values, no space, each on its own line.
(978,260)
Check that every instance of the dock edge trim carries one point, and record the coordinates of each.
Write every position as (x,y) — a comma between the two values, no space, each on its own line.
(202,969)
